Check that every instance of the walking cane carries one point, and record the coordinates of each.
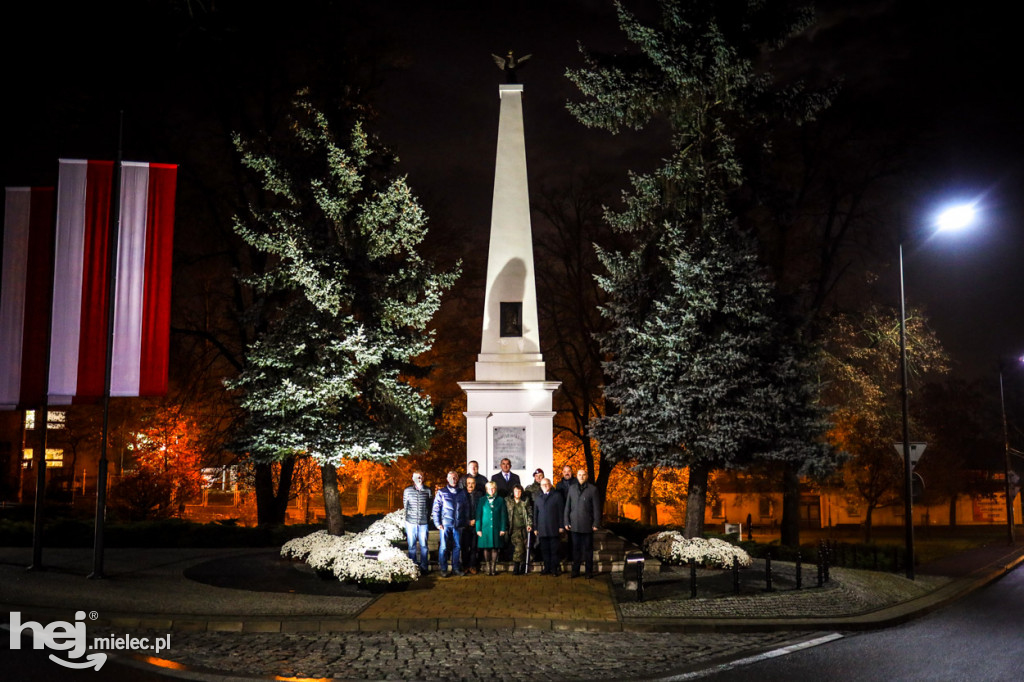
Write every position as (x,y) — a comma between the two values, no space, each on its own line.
(529,541)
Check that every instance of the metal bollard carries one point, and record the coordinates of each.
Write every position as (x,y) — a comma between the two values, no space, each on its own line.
(634,567)
(693,579)
(735,577)
(768,572)
(799,571)
(829,554)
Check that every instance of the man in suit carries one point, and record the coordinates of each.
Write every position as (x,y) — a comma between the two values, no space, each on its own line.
(505,479)
(582,514)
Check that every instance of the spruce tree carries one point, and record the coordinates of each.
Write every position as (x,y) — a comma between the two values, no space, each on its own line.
(329,377)
(703,373)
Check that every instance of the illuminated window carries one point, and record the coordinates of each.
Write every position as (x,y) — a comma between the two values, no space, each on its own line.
(54,458)
(55,419)
(717,509)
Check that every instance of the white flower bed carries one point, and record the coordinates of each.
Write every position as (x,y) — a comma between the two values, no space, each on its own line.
(385,530)
(344,555)
(671,547)
(396,519)
(299,548)
(392,565)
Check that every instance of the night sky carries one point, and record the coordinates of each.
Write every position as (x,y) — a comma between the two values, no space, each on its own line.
(944,80)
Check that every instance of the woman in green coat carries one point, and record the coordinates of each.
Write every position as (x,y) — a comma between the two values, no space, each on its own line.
(491,525)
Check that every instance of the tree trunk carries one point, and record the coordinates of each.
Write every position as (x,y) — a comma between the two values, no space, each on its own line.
(790,506)
(271,505)
(952,509)
(867,524)
(604,472)
(644,495)
(696,500)
(332,500)
(363,494)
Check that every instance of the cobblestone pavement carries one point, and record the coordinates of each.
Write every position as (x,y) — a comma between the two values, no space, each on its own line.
(458,654)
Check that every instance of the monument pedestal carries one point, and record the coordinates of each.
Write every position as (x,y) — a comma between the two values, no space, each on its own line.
(510,419)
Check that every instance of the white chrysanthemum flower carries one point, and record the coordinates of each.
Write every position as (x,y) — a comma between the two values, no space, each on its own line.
(672,547)
(345,556)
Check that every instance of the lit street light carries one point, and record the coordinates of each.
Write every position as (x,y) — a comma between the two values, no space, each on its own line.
(952,219)
(955,218)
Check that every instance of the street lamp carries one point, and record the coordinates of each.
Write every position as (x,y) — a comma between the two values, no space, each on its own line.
(1007,465)
(952,219)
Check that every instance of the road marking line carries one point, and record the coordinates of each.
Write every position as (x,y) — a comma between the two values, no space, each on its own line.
(774,653)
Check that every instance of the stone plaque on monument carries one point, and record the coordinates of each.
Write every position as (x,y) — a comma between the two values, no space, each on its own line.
(510,442)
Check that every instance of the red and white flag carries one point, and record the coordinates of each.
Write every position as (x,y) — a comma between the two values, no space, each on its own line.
(142,298)
(24,295)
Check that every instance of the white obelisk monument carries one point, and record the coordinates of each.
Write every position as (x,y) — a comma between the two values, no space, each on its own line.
(508,411)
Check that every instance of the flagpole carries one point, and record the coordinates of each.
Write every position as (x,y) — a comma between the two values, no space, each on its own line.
(101,478)
(40,461)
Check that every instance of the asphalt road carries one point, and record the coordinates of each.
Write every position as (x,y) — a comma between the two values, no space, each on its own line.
(977,639)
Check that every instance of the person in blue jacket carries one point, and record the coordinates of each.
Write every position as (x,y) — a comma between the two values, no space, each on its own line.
(451,516)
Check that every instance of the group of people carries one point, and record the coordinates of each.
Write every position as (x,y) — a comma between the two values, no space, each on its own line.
(481,520)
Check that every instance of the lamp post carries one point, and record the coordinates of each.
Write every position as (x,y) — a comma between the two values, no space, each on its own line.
(908,501)
(1007,464)
(950,220)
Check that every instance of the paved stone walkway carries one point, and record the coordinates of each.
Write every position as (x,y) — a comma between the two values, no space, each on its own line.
(504,596)
(461,654)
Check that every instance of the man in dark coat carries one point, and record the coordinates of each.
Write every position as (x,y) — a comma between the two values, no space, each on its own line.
(529,493)
(505,479)
(548,524)
(582,514)
(566,482)
(563,486)
(470,551)
(473,471)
